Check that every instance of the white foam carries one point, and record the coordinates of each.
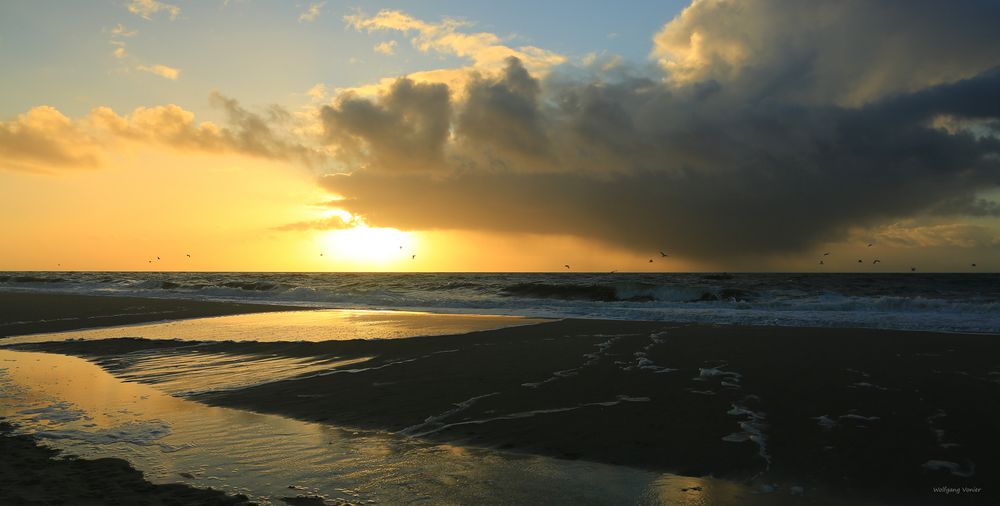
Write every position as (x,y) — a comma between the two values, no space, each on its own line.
(825,422)
(937,465)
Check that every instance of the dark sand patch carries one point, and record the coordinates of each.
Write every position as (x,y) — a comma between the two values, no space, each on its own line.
(32,313)
(31,474)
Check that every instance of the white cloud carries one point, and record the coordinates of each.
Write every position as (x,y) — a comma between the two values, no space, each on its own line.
(486,50)
(147,8)
(386,48)
(317,92)
(162,71)
(312,12)
(120,31)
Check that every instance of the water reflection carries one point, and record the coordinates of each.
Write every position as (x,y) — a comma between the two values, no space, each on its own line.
(89,412)
(314,325)
(76,406)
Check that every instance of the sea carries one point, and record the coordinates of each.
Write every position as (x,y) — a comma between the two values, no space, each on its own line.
(968,302)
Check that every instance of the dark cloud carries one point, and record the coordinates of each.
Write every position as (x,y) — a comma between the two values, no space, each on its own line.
(732,164)
(405,130)
(256,134)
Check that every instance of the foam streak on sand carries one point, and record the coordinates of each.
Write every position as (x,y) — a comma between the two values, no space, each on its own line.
(527,414)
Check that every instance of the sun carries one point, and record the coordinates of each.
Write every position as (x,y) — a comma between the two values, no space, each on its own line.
(371,247)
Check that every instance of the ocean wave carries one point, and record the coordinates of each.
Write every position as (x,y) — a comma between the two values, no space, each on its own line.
(923,302)
(626,292)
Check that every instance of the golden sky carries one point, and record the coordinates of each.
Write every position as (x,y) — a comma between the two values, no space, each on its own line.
(267,136)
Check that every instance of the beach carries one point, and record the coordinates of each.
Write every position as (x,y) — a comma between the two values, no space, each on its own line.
(809,415)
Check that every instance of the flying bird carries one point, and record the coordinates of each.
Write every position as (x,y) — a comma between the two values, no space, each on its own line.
(973,265)
(869,245)
(157,258)
(913,269)
(320,254)
(821,262)
(566,266)
(860,261)
(413,257)
(662,254)
(650,260)
(876,261)
(827,253)
(189,255)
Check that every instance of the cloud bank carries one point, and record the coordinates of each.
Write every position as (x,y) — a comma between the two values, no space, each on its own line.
(765,128)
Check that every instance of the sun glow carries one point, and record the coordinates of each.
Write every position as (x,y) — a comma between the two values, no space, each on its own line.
(370,246)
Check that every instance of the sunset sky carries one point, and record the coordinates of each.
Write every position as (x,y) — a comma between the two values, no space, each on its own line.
(748,135)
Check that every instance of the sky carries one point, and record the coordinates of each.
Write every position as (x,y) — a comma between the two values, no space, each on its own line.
(731,135)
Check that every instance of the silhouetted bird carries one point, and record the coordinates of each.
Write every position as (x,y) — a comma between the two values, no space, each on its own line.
(973,265)
(821,262)
(913,269)
(189,255)
(650,260)
(320,254)
(876,261)
(566,266)
(662,254)
(157,258)
(859,261)
(869,245)
(413,257)
(827,253)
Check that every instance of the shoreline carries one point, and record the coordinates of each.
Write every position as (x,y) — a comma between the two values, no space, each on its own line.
(23,313)
(851,414)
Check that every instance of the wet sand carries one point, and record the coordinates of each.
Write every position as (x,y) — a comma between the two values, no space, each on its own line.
(32,313)
(31,474)
(861,415)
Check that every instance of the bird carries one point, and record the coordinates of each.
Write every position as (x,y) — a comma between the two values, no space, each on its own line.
(157,258)
(320,254)
(612,272)
(662,254)
(566,266)
(860,261)
(400,247)
(821,262)
(413,257)
(973,265)
(869,245)
(189,255)
(827,253)
(876,261)
(650,260)
(913,269)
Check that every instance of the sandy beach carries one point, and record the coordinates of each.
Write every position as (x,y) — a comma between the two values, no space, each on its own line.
(32,313)
(842,414)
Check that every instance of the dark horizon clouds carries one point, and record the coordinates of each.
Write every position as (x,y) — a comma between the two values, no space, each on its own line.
(767,128)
